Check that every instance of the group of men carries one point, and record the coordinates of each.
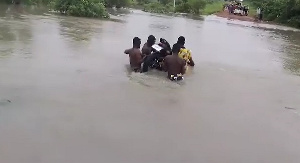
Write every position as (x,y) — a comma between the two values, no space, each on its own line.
(232,6)
(174,61)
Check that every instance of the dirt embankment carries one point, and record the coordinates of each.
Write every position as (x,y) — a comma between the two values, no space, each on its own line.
(225,14)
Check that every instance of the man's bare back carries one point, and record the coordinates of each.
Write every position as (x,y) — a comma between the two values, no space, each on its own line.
(174,65)
(135,55)
(135,58)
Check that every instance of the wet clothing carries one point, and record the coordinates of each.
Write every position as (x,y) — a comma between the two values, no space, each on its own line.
(177,77)
(185,54)
(260,16)
(259,13)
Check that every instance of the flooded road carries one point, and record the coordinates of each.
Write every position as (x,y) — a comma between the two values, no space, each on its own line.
(66,95)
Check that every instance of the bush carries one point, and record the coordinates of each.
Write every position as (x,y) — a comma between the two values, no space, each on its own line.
(183,8)
(116,3)
(282,11)
(213,7)
(37,2)
(294,21)
(82,8)
(190,6)
(28,2)
(165,2)
(197,5)
(158,8)
(142,2)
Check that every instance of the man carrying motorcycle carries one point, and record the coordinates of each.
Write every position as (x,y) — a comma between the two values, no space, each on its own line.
(147,48)
(155,59)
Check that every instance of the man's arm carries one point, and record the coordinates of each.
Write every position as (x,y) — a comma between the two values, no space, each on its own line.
(191,63)
(127,51)
(146,51)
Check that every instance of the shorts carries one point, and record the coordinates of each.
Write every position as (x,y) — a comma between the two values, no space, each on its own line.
(177,77)
(136,69)
(260,16)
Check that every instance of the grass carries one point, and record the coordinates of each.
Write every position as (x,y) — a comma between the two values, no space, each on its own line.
(210,8)
(213,7)
(158,8)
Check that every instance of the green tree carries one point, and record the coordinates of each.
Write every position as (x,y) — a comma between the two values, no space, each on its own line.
(197,5)
(283,11)
(164,2)
(183,7)
(81,8)
(142,1)
(117,3)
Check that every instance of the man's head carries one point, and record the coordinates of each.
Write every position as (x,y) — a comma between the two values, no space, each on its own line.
(176,48)
(151,40)
(162,40)
(181,40)
(136,42)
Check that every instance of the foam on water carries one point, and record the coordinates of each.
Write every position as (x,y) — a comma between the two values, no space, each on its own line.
(155,80)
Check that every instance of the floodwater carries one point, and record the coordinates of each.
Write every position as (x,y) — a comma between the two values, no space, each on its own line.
(66,95)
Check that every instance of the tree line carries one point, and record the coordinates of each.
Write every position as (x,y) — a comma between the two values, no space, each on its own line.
(97,8)
(282,11)
(81,8)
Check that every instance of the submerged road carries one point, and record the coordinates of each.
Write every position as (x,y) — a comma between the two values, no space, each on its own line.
(66,95)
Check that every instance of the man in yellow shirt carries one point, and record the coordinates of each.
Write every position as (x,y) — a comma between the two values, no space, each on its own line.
(185,53)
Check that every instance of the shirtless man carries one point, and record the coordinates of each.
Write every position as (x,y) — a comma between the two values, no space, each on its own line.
(147,48)
(185,53)
(135,55)
(174,65)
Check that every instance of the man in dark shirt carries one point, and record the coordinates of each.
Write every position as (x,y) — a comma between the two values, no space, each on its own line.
(135,55)
(147,48)
(174,65)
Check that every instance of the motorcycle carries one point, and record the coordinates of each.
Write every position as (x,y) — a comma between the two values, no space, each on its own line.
(160,51)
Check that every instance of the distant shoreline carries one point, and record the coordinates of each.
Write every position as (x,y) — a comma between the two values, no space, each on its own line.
(225,14)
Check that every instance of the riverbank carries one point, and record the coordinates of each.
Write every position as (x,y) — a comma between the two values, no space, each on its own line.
(225,14)
(215,8)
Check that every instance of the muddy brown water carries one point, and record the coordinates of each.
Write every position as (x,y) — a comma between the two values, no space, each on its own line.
(66,95)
